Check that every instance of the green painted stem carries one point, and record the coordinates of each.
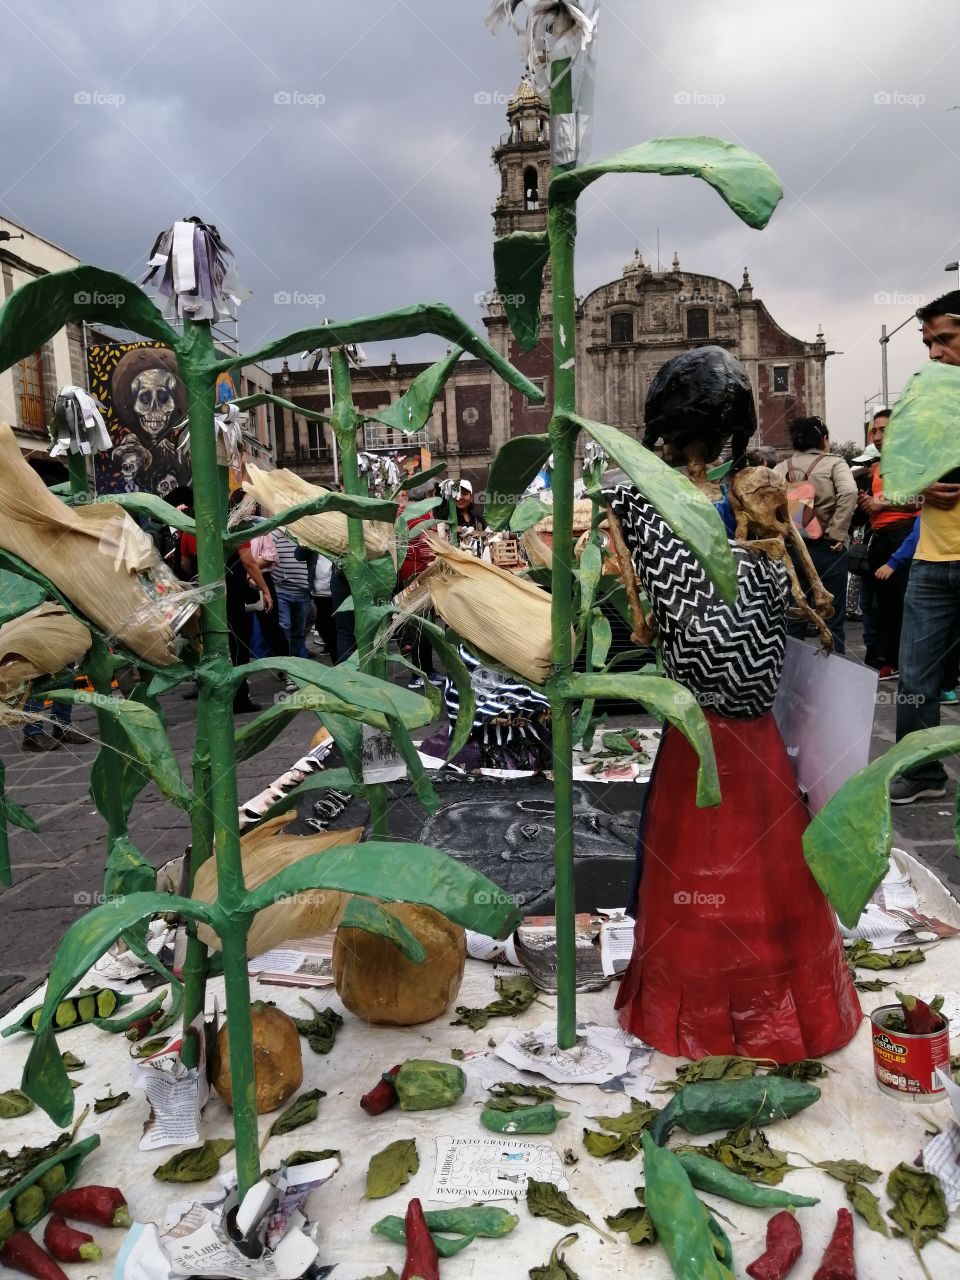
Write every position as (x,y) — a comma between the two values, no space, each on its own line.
(196,964)
(346,422)
(452,521)
(77,472)
(562,230)
(215,717)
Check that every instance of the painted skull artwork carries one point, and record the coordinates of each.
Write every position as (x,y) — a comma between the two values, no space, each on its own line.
(148,401)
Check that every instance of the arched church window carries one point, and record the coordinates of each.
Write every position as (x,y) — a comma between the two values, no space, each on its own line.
(621,327)
(698,323)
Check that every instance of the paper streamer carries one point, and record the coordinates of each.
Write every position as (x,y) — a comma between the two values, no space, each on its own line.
(229,427)
(194,272)
(80,426)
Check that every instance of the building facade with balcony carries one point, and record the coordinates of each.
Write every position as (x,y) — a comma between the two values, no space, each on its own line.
(626,329)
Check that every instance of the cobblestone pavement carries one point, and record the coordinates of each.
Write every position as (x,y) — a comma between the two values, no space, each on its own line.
(58,872)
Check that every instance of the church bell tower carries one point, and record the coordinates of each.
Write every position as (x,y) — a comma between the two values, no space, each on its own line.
(523,158)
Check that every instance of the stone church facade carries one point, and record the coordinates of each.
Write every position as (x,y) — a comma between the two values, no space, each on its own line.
(626,329)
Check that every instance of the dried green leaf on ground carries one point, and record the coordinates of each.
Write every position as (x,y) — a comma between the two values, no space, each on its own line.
(748,1153)
(716,1067)
(509,1095)
(622,1140)
(71,1062)
(545,1200)
(557,1268)
(516,997)
(13,1104)
(109,1102)
(802,1069)
(919,1208)
(865,1203)
(391,1168)
(635,1223)
(300,1112)
(319,1031)
(848,1171)
(198,1164)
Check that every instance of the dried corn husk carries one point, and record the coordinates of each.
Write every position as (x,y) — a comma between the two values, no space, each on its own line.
(494,611)
(582,515)
(538,549)
(275,491)
(96,555)
(265,851)
(38,643)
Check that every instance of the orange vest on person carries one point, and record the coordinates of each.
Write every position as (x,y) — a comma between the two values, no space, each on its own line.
(884,519)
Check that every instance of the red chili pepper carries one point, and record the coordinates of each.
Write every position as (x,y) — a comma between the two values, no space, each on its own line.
(103,1206)
(67,1244)
(20,1252)
(139,1029)
(784,1247)
(919,1017)
(422,1263)
(838,1262)
(382,1096)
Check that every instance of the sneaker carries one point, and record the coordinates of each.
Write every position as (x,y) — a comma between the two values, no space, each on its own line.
(949,696)
(415,682)
(906,790)
(886,672)
(39,742)
(73,737)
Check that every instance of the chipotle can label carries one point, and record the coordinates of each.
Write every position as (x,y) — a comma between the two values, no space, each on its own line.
(904,1064)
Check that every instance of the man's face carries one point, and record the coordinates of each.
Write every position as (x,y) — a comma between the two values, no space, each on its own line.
(941,337)
(879,426)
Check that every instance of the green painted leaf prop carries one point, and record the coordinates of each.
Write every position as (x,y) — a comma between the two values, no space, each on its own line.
(396,872)
(264,397)
(154,508)
(300,1112)
(743,179)
(257,734)
(391,1168)
(847,845)
(515,465)
(411,412)
(17,595)
(557,1268)
(39,309)
(666,699)
(354,687)
(687,510)
(418,478)
(363,508)
(58,1170)
(145,735)
(921,443)
(10,813)
(109,766)
(529,511)
(519,261)
(362,913)
(196,1165)
(44,1077)
(445,643)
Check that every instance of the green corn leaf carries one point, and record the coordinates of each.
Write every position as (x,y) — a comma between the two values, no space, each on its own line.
(516,463)
(414,510)
(353,687)
(407,322)
(669,701)
(112,768)
(42,307)
(17,596)
(348,735)
(44,1077)
(264,397)
(446,645)
(397,872)
(376,509)
(362,913)
(591,568)
(847,845)
(602,638)
(918,445)
(426,792)
(411,412)
(145,736)
(519,261)
(744,180)
(528,512)
(154,508)
(257,734)
(418,478)
(10,813)
(688,511)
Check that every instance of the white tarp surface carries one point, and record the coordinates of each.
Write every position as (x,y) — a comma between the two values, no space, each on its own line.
(852,1120)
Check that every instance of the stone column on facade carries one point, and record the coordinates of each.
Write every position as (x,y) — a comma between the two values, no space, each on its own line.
(453,442)
(746,309)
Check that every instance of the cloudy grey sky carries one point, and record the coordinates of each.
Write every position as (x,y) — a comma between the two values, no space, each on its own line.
(373,187)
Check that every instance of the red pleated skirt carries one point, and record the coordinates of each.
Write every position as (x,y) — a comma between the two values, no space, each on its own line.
(736,950)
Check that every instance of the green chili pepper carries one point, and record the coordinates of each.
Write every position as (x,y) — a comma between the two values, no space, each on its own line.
(709,1105)
(679,1217)
(543,1118)
(28,1205)
(711,1175)
(722,1248)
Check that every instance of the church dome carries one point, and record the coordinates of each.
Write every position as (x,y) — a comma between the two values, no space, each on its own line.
(525,96)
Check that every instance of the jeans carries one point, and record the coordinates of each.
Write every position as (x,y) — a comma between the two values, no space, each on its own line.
(831,566)
(868,607)
(293,610)
(346,638)
(931,612)
(60,712)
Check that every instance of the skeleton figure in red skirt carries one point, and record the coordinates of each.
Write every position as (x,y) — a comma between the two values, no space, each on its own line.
(736,949)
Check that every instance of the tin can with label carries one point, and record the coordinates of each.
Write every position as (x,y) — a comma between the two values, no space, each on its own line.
(904,1064)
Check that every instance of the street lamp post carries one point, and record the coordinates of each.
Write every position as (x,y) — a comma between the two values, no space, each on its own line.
(954,266)
(884,341)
